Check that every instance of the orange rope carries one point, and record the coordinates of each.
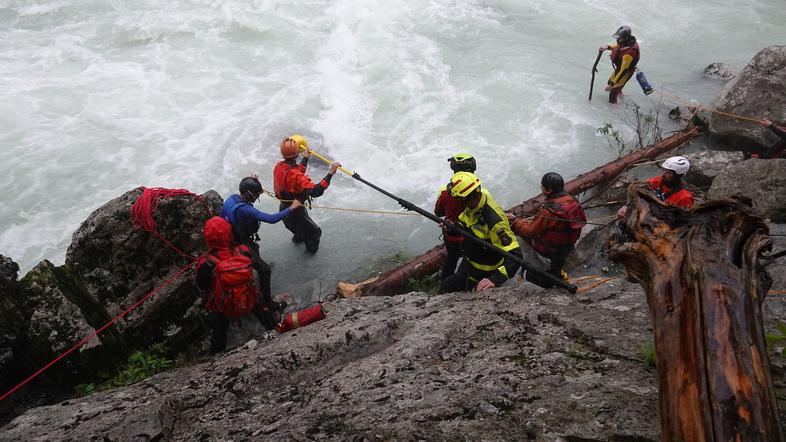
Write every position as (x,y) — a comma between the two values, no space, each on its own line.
(597,283)
(700,106)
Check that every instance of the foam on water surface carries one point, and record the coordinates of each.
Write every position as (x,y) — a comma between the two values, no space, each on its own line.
(100,97)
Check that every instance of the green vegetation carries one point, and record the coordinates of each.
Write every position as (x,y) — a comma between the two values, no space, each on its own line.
(430,284)
(140,366)
(648,355)
(774,339)
(645,127)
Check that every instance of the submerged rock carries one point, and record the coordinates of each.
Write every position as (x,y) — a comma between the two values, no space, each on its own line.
(758,91)
(719,71)
(763,181)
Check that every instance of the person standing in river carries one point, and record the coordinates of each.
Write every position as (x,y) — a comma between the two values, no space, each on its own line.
(291,184)
(624,58)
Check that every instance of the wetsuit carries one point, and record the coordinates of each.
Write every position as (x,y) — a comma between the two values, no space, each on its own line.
(449,207)
(624,60)
(245,220)
(488,222)
(291,183)
(550,234)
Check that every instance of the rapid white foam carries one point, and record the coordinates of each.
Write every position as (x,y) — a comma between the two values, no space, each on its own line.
(100,97)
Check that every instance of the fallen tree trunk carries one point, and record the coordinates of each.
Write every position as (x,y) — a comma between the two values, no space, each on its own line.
(429,262)
(703,273)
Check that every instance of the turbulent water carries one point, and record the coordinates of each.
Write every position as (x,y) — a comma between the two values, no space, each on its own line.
(98,97)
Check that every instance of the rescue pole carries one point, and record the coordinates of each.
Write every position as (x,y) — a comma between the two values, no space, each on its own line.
(594,69)
(486,245)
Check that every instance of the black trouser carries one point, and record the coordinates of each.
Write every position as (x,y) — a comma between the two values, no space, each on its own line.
(451,258)
(464,280)
(219,324)
(303,228)
(557,260)
(265,310)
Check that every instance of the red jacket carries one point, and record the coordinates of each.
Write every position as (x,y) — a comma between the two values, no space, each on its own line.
(291,182)
(549,229)
(450,207)
(679,197)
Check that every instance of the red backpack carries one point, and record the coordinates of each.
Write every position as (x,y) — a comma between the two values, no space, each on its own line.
(234,291)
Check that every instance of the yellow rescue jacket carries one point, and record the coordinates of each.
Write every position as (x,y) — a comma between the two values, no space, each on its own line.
(488,222)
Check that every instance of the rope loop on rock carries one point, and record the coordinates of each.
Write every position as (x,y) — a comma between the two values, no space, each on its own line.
(142,212)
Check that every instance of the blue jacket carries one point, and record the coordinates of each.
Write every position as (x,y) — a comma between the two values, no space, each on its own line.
(245,219)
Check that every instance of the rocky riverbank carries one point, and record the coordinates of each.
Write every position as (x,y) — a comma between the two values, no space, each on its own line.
(513,363)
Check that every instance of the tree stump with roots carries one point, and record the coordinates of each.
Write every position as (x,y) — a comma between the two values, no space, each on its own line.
(703,271)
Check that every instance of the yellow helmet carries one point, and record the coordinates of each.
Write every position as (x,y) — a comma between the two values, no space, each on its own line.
(301,141)
(463,183)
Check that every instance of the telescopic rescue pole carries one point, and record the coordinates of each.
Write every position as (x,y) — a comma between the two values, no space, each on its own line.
(594,69)
(485,244)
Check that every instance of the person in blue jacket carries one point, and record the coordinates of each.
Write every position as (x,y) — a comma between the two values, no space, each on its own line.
(239,210)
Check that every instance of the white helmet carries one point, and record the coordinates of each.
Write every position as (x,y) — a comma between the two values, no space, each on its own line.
(678,165)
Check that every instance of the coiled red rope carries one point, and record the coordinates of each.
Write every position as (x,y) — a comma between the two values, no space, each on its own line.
(142,211)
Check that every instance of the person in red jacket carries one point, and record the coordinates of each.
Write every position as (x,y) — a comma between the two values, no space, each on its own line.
(669,187)
(624,58)
(290,183)
(777,150)
(554,230)
(451,207)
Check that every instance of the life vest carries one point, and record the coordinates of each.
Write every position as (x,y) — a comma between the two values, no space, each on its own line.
(676,195)
(234,290)
(450,207)
(242,227)
(280,186)
(568,230)
(619,51)
(489,223)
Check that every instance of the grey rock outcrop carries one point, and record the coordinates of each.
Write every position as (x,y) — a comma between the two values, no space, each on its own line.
(513,363)
(719,71)
(760,91)
(706,165)
(12,312)
(110,265)
(764,181)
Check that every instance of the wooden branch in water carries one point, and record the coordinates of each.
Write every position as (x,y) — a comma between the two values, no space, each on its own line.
(703,273)
(429,262)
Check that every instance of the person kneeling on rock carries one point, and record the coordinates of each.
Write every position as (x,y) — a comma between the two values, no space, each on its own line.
(226,274)
(554,230)
(481,268)
(777,150)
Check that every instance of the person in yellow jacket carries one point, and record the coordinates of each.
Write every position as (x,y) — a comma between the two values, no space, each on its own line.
(624,58)
(481,268)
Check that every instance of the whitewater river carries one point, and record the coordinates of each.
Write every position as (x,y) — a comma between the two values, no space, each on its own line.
(98,97)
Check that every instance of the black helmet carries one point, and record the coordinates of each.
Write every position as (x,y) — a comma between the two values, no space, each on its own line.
(553,182)
(623,33)
(462,162)
(250,184)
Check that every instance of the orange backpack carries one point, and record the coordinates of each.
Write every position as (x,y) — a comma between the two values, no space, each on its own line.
(234,291)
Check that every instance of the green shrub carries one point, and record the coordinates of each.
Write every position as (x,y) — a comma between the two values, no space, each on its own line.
(648,355)
(774,339)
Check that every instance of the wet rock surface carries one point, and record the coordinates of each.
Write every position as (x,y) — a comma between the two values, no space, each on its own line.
(764,181)
(758,91)
(513,363)
(708,164)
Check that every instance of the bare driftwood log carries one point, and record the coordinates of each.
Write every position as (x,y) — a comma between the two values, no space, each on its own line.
(704,275)
(429,262)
